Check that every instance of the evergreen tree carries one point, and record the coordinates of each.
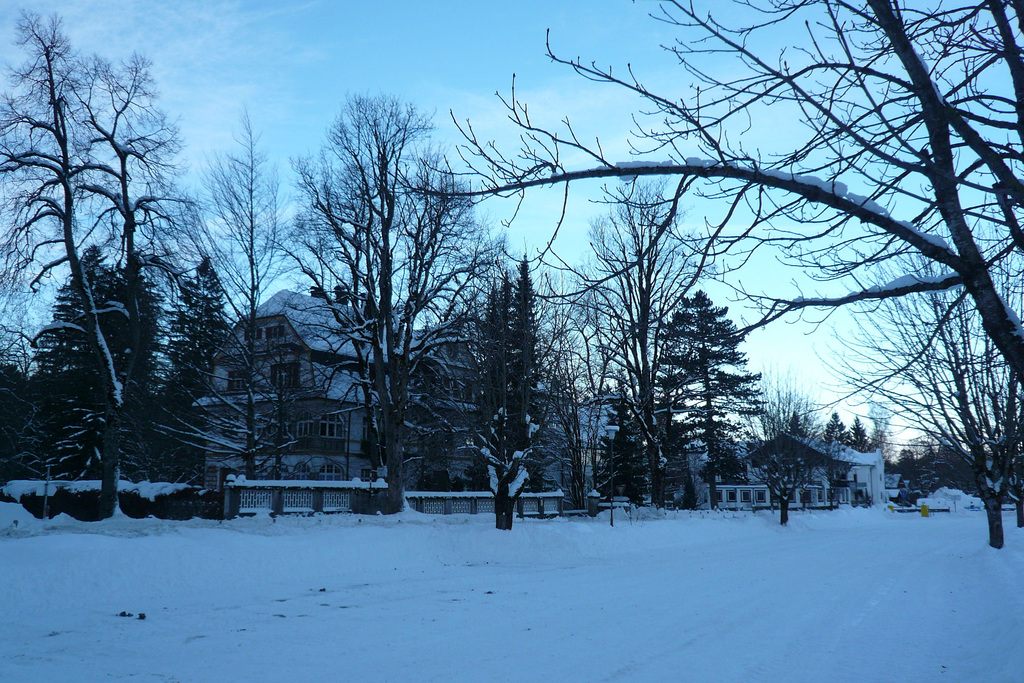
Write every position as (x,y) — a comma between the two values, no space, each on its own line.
(706,372)
(507,348)
(17,411)
(70,397)
(858,438)
(835,431)
(527,372)
(624,452)
(68,385)
(198,331)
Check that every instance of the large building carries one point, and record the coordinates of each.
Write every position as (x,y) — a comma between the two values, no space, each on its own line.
(295,398)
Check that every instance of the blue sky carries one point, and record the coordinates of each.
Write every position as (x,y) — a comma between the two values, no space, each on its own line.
(292,63)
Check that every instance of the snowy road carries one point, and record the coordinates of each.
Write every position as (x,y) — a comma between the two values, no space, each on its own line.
(847,596)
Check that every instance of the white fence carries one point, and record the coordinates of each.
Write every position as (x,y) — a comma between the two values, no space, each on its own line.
(243,497)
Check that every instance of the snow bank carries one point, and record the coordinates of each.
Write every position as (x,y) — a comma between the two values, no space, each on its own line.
(952,499)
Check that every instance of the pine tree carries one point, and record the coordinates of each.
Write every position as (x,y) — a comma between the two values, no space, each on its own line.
(706,372)
(858,437)
(835,431)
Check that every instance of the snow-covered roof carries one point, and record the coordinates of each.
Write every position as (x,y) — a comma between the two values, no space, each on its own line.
(312,318)
(858,458)
(845,453)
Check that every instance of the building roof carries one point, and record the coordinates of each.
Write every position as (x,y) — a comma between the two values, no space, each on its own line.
(845,453)
(312,319)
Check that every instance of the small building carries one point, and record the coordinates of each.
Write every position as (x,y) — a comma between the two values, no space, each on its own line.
(860,481)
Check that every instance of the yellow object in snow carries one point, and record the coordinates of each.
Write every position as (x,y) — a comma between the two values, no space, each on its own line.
(924,510)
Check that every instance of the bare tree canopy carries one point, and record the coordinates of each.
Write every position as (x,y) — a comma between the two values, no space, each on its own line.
(781,457)
(395,263)
(886,130)
(928,358)
(640,275)
(85,157)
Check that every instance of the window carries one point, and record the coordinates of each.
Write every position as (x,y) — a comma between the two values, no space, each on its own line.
(331,472)
(731,496)
(721,495)
(300,471)
(274,332)
(304,427)
(284,375)
(330,426)
(761,496)
(235,380)
(367,474)
(745,496)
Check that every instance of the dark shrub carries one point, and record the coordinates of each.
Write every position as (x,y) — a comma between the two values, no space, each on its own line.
(84,505)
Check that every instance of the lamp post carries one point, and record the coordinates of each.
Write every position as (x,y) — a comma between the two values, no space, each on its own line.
(611,431)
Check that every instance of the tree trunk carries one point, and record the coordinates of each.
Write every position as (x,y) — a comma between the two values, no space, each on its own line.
(395,460)
(657,473)
(712,493)
(1019,504)
(111,466)
(994,512)
(504,510)
(783,510)
(395,502)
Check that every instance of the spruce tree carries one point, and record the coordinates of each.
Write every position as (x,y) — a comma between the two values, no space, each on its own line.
(198,330)
(835,431)
(507,349)
(17,409)
(69,388)
(70,398)
(858,438)
(527,372)
(707,372)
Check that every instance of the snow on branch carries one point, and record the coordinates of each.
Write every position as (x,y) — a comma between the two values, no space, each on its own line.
(905,284)
(833,194)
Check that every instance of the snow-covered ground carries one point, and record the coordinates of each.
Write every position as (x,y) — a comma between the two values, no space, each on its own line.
(853,595)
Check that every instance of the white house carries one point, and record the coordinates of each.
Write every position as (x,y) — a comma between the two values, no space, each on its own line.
(864,483)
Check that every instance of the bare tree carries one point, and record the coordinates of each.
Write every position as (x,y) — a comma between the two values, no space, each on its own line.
(640,275)
(781,456)
(576,372)
(241,237)
(388,241)
(928,357)
(85,157)
(906,137)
